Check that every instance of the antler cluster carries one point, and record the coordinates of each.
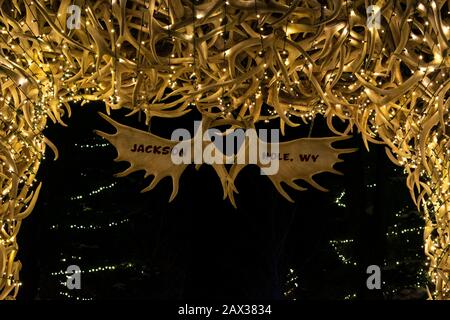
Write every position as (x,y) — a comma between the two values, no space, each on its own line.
(249,60)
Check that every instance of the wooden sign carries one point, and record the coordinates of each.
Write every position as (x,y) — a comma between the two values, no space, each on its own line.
(283,162)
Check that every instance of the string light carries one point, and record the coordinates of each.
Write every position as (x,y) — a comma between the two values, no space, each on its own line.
(291,284)
(92,227)
(92,146)
(113,267)
(94,192)
(338,200)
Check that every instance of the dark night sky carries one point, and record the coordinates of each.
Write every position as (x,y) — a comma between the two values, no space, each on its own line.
(199,246)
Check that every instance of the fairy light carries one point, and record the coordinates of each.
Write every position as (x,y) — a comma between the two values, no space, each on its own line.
(92,146)
(338,200)
(94,192)
(337,247)
(92,227)
(291,284)
(112,267)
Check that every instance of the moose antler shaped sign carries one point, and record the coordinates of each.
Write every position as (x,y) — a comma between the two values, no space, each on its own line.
(282,162)
(382,67)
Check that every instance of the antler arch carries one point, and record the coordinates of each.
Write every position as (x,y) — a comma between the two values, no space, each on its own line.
(230,60)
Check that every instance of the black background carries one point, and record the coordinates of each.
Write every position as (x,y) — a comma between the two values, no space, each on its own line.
(199,246)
